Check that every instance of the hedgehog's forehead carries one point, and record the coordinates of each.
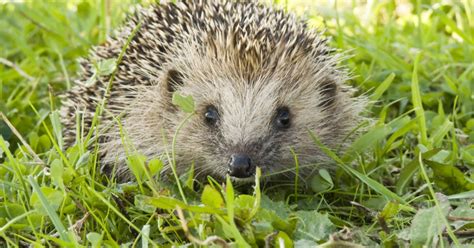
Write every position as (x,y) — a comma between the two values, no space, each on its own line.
(240,40)
(248,63)
(230,91)
(250,46)
(246,115)
(238,78)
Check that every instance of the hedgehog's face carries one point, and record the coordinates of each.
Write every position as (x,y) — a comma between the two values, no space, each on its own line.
(260,79)
(241,124)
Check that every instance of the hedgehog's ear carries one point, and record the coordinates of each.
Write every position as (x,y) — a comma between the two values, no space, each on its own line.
(173,80)
(328,91)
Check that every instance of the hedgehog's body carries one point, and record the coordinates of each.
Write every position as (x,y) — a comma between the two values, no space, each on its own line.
(259,78)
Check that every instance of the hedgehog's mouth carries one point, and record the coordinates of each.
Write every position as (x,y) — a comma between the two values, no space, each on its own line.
(244,180)
(241,181)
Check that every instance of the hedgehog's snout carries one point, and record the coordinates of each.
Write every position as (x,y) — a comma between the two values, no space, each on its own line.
(241,166)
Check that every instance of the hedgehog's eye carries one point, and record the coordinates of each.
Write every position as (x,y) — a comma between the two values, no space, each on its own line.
(211,116)
(282,119)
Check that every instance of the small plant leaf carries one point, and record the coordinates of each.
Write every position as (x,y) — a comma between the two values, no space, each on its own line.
(322,182)
(57,170)
(185,103)
(155,166)
(48,200)
(106,67)
(391,209)
(54,198)
(426,224)
(95,239)
(313,226)
(211,197)
(136,163)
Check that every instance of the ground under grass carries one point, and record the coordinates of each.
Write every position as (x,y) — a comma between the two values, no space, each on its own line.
(407,182)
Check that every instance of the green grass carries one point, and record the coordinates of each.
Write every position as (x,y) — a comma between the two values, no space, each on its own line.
(408,181)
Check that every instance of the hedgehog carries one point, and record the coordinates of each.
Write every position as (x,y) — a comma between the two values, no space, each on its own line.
(263,83)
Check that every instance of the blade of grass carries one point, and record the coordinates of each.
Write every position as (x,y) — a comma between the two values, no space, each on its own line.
(63,233)
(101,107)
(364,142)
(297,173)
(453,26)
(23,142)
(417,103)
(111,207)
(449,230)
(437,137)
(232,227)
(13,220)
(258,195)
(365,179)
(53,140)
(382,87)
(56,123)
(16,166)
(463,195)
(172,158)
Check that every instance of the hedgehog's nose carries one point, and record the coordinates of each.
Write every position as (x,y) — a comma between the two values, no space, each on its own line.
(240,165)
